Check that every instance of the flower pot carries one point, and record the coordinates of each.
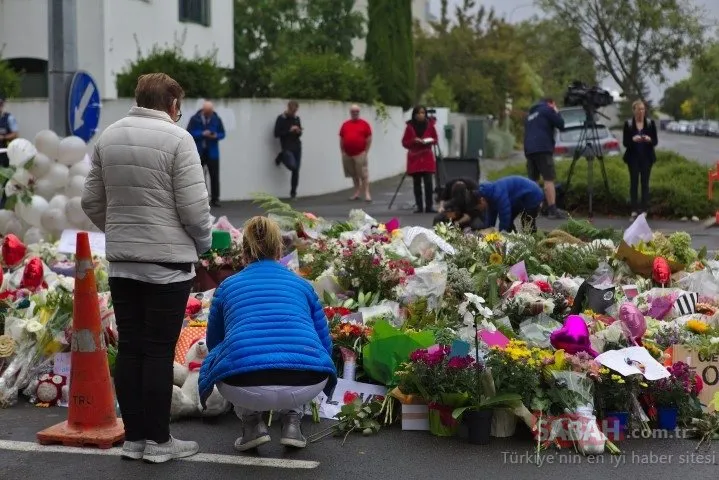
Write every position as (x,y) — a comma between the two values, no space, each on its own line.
(611,418)
(209,279)
(504,423)
(441,423)
(479,426)
(667,417)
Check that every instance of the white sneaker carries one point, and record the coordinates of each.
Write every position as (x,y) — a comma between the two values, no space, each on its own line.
(133,450)
(164,452)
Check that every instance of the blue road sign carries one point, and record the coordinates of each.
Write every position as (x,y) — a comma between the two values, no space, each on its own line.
(83,106)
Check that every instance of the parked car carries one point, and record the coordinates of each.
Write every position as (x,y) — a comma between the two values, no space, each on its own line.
(700,128)
(573,116)
(567,142)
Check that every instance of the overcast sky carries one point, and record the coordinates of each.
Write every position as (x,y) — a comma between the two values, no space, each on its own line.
(519,10)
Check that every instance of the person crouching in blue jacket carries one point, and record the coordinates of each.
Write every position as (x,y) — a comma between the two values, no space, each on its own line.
(269,341)
(509,198)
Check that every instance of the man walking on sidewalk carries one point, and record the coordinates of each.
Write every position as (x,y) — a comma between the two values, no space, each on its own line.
(8,131)
(539,128)
(288,128)
(207,129)
(355,142)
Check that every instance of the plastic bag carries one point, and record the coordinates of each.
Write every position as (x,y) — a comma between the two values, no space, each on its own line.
(639,231)
(327,282)
(704,282)
(386,308)
(420,239)
(360,220)
(224,224)
(537,330)
(429,281)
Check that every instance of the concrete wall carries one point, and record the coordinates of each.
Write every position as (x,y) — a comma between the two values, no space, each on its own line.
(109,32)
(248,153)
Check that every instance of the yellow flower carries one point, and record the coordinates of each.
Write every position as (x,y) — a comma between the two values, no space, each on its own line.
(381,227)
(697,326)
(495,259)
(603,370)
(493,237)
(397,234)
(616,377)
(621,381)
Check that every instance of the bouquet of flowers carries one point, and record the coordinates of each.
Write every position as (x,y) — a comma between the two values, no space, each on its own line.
(677,247)
(529,299)
(516,368)
(614,392)
(680,390)
(318,256)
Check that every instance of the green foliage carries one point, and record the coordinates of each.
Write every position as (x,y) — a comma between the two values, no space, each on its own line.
(9,80)
(704,92)
(678,186)
(439,94)
(324,76)
(675,96)
(390,50)
(500,143)
(270,33)
(200,77)
(633,40)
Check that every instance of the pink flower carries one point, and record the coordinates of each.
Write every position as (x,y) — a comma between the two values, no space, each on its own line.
(460,363)
(205,263)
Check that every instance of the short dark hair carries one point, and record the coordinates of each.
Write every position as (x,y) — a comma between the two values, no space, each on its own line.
(157,91)
(548,100)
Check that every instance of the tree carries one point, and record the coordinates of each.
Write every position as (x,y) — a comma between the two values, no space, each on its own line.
(703,81)
(439,94)
(9,80)
(634,40)
(674,97)
(270,33)
(390,50)
(199,77)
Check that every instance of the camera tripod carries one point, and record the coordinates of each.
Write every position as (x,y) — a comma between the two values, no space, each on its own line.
(589,146)
(439,159)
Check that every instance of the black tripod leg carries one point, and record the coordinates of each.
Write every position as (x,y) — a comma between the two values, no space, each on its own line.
(396,192)
(604,175)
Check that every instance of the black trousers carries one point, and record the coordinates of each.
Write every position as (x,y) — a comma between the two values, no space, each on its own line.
(418,179)
(149,319)
(639,171)
(295,179)
(527,218)
(476,223)
(213,169)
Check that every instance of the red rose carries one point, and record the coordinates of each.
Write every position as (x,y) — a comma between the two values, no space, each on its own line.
(543,286)
(350,397)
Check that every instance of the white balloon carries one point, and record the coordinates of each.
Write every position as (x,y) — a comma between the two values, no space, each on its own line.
(47,142)
(40,165)
(80,169)
(14,226)
(32,212)
(33,235)
(45,188)
(58,175)
(20,151)
(12,188)
(74,212)
(23,177)
(54,220)
(58,201)
(75,187)
(71,150)
(5,217)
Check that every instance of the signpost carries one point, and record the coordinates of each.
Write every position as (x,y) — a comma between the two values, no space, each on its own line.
(83,106)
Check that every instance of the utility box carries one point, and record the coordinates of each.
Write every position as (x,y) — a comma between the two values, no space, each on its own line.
(476,141)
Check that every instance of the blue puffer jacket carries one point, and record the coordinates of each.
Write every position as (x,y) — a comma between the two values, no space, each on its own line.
(207,146)
(266,317)
(539,129)
(507,198)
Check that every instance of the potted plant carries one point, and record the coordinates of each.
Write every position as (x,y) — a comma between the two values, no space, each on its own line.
(674,394)
(223,260)
(614,393)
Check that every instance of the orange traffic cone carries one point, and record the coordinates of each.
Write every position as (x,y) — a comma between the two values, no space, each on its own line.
(91,417)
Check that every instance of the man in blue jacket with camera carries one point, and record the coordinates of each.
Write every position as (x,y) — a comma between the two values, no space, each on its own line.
(207,129)
(509,198)
(543,118)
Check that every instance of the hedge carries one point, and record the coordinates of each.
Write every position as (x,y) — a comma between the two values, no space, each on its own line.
(500,143)
(678,187)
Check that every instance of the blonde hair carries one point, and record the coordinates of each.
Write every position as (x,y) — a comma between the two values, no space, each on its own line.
(636,104)
(262,240)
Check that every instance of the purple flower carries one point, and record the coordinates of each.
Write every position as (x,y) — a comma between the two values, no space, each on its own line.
(460,363)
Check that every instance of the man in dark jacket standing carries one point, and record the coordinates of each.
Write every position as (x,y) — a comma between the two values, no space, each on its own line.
(542,120)
(288,129)
(207,129)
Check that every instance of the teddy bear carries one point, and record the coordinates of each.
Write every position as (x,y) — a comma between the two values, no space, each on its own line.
(185,392)
(51,389)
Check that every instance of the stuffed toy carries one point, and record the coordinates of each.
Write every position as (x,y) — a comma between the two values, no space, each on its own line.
(186,398)
(51,389)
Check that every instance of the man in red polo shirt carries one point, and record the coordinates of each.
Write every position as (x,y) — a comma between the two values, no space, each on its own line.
(355,141)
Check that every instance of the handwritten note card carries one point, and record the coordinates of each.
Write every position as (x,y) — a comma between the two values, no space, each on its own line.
(68,242)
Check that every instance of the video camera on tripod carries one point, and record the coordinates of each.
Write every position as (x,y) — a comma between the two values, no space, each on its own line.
(589,146)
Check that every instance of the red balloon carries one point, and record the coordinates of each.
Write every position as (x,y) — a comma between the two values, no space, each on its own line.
(33,275)
(193,306)
(661,272)
(13,250)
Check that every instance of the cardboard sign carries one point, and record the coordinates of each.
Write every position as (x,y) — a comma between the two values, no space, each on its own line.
(706,368)
(68,242)
(347,390)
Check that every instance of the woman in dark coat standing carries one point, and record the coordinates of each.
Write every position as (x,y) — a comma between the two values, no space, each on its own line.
(419,136)
(640,138)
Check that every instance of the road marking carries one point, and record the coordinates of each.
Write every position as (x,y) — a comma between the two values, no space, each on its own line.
(200,457)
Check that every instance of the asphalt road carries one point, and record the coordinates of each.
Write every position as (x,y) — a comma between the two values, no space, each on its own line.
(704,150)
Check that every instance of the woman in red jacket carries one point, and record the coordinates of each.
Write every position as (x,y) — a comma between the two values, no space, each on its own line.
(419,136)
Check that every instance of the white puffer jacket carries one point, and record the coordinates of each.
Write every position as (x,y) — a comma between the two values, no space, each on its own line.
(146,190)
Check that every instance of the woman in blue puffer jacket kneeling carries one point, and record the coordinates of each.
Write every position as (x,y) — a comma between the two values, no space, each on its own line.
(269,341)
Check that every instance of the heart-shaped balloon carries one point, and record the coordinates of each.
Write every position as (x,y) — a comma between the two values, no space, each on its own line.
(661,272)
(33,275)
(193,306)
(573,337)
(633,320)
(13,250)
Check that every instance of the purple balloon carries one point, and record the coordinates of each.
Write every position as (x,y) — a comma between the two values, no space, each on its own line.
(573,337)
(633,320)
